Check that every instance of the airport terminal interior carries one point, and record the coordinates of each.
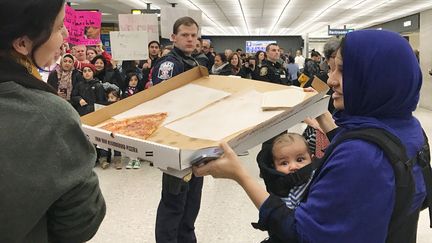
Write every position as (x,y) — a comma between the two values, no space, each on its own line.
(132,195)
(299,27)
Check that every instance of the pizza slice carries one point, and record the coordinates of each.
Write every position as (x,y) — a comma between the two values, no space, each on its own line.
(140,126)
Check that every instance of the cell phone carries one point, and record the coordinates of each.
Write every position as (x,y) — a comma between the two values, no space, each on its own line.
(206,155)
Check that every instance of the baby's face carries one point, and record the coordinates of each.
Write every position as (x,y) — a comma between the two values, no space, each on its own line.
(289,158)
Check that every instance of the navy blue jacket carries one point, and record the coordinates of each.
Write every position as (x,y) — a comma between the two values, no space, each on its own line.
(352,198)
(172,64)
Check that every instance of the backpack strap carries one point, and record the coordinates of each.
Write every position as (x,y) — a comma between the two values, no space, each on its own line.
(402,168)
(423,158)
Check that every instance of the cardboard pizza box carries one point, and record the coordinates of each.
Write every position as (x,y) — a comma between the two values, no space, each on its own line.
(170,148)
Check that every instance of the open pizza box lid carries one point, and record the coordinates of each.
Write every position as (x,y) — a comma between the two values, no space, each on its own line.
(202,111)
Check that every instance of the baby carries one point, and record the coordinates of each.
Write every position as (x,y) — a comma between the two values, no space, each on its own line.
(291,153)
(287,170)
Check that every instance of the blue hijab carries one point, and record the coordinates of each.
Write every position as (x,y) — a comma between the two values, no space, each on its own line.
(381,79)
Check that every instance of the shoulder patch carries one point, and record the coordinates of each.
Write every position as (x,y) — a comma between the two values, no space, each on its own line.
(166,70)
(263,71)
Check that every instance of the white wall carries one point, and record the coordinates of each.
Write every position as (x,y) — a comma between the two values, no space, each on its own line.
(426,58)
(414,40)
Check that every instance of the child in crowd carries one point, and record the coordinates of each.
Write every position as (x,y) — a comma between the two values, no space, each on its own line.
(88,92)
(132,80)
(287,170)
(105,156)
(112,95)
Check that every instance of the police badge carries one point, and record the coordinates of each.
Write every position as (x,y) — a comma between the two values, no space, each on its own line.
(166,70)
(263,71)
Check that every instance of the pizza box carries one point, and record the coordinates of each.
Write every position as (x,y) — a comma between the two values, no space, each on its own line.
(170,150)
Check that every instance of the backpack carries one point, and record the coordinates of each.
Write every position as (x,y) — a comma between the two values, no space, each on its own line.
(403,225)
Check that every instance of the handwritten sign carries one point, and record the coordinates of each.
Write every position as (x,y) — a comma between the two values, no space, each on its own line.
(140,22)
(83,26)
(129,45)
(170,15)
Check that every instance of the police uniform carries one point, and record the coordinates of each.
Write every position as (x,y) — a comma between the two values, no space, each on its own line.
(272,72)
(180,201)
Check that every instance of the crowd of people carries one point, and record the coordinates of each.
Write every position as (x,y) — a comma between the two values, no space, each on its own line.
(53,195)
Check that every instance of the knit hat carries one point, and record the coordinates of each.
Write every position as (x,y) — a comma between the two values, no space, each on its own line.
(89,65)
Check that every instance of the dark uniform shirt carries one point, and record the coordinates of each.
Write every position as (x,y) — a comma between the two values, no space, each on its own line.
(202,59)
(172,64)
(272,72)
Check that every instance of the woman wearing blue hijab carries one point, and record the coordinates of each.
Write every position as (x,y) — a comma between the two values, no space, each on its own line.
(376,84)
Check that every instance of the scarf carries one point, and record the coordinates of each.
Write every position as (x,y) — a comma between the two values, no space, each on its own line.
(65,82)
(217,70)
(21,70)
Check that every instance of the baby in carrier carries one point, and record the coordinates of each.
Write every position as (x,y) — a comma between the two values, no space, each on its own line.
(287,170)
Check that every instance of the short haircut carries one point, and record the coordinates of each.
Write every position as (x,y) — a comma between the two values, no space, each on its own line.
(315,53)
(331,46)
(290,138)
(91,49)
(153,42)
(291,59)
(239,49)
(269,45)
(188,21)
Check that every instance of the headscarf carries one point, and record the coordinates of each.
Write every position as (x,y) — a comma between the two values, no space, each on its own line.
(381,79)
(65,77)
(216,70)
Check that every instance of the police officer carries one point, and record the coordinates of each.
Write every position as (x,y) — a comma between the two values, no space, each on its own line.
(180,201)
(271,70)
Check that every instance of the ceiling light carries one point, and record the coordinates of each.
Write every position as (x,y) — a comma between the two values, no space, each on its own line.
(74,4)
(106,14)
(407,23)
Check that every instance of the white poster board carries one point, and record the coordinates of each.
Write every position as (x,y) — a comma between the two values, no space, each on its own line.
(140,22)
(169,15)
(129,45)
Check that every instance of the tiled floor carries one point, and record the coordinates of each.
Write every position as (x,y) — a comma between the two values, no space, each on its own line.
(132,197)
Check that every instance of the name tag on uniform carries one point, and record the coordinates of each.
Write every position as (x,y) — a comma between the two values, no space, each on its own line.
(282,76)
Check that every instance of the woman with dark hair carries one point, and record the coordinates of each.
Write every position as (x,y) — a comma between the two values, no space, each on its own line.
(353,194)
(49,191)
(221,65)
(65,77)
(109,77)
(260,56)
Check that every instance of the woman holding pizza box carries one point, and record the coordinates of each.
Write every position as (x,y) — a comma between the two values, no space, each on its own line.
(49,191)
(356,191)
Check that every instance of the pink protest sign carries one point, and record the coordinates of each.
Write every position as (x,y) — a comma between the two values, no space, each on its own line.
(83,26)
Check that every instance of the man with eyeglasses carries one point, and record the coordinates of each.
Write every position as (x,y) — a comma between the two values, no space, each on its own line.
(206,49)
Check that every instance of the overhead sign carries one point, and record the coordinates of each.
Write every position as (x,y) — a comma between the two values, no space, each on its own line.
(129,45)
(339,31)
(140,22)
(83,26)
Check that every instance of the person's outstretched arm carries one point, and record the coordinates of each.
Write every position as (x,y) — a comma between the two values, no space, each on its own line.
(230,167)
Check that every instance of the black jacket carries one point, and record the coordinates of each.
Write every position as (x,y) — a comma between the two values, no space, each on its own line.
(54,81)
(92,92)
(272,72)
